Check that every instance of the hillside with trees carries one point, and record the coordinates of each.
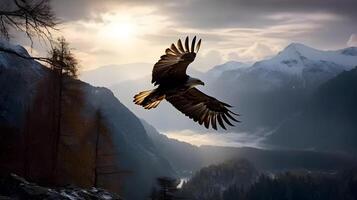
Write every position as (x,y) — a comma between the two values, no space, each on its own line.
(239,180)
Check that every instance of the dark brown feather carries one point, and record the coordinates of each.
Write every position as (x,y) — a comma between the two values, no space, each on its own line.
(168,51)
(198,46)
(219,118)
(174,48)
(231,117)
(179,45)
(173,65)
(214,121)
(207,121)
(226,120)
(201,108)
(187,50)
(193,44)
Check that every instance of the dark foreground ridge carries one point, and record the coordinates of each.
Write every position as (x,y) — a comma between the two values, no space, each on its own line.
(15,187)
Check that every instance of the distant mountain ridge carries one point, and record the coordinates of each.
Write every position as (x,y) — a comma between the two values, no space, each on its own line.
(226,67)
(187,159)
(108,75)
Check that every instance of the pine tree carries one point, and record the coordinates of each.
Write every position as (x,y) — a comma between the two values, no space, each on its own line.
(63,64)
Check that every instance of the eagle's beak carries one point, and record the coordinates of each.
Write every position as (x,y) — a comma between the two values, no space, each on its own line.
(201,83)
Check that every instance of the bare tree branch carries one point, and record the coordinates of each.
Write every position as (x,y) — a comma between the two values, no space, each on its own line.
(33,17)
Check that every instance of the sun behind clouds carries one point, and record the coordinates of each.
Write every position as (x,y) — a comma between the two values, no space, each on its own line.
(122,30)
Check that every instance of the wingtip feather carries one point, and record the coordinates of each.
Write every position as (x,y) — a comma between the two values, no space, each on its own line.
(193,44)
(198,46)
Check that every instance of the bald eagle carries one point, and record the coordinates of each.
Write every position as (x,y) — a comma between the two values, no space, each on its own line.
(174,85)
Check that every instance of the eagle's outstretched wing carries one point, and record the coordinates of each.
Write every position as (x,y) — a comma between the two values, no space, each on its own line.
(172,66)
(202,108)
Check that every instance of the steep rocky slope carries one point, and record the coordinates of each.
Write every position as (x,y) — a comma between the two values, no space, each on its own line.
(100,142)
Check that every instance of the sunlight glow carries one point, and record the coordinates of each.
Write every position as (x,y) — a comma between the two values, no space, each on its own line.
(120,30)
(124,30)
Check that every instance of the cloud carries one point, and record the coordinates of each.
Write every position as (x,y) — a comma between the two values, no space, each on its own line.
(244,30)
(249,13)
(233,56)
(257,51)
(352,42)
(74,10)
(205,61)
(302,17)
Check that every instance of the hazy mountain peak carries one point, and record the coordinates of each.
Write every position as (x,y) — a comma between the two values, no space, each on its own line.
(228,66)
(109,75)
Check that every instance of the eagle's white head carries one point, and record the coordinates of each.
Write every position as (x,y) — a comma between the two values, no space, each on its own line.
(192,82)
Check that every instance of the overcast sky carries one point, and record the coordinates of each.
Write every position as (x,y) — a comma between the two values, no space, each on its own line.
(129,31)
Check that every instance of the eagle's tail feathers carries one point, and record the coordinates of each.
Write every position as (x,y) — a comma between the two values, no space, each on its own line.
(148,99)
(139,98)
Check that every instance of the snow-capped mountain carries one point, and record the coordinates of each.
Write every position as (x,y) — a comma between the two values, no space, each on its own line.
(305,64)
(296,58)
(272,90)
(27,103)
(297,64)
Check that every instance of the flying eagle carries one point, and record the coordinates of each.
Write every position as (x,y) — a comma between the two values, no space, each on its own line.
(174,85)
